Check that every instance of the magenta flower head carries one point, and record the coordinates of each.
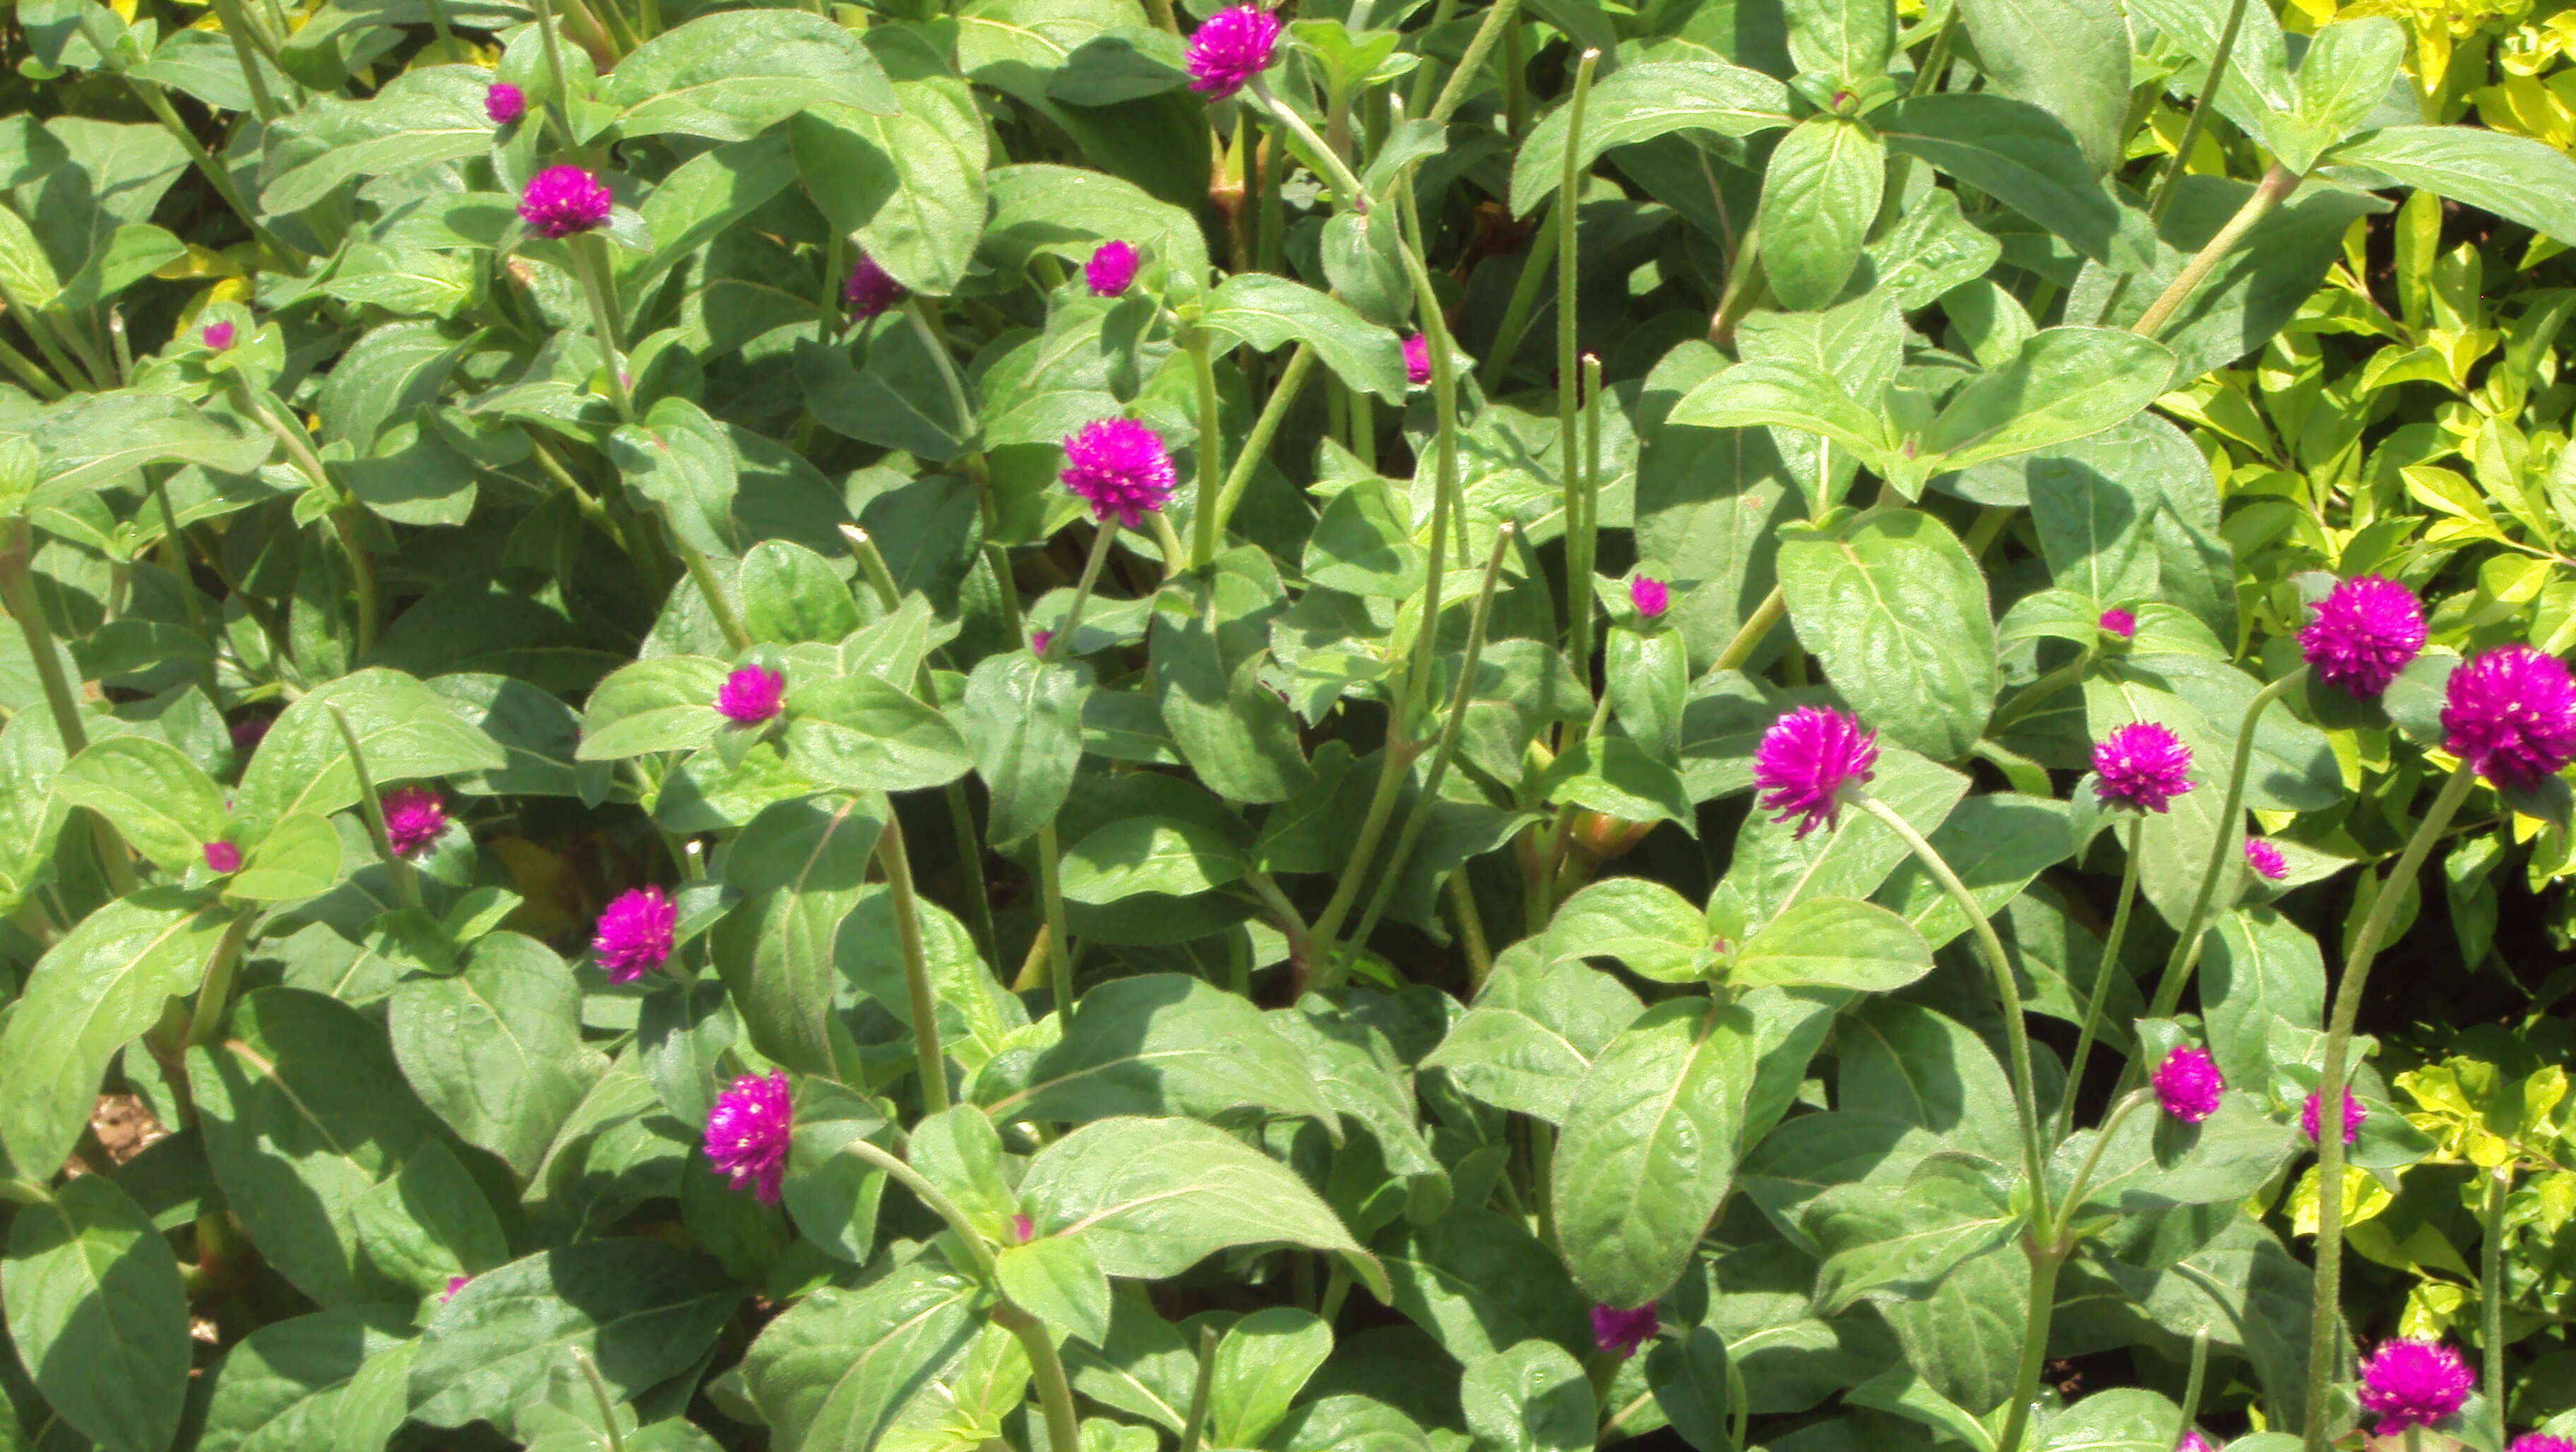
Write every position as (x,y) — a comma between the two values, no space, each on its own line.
(2511,713)
(2192,1441)
(1417,360)
(563,200)
(504,103)
(634,934)
(747,1133)
(2365,631)
(1649,595)
(2142,766)
(1232,48)
(1619,1333)
(2266,859)
(2353,1115)
(2541,1442)
(454,1284)
(414,816)
(218,336)
(2188,1084)
(1023,1230)
(869,290)
(2413,1384)
(1110,269)
(223,858)
(1120,468)
(2122,624)
(751,695)
(1806,760)
(1039,640)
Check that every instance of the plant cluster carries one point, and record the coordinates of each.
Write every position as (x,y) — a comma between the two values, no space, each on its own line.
(1055,724)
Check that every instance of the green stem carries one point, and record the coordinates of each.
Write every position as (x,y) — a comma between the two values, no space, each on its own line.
(559,104)
(1748,637)
(2030,697)
(2083,1180)
(1582,540)
(2325,1336)
(1274,412)
(1194,1428)
(703,575)
(970,865)
(2491,1289)
(406,885)
(932,1064)
(1211,446)
(1399,759)
(590,264)
(2171,181)
(2108,965)
(1051,903)
(1046,1369)
(207,166)
(1100,541)
(248,42)
(917,312)
(37,380)
(2194,1385)
(1569,370)
(2274,189)
(1524,299)
(2186,949)
(362,575)
(206,1020)
(599,1395)
(1448,508)
(1497,23)
(2036,1316)
(1354,197)
(1425,72)
(18,593)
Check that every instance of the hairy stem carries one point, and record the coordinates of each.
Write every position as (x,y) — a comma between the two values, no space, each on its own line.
(406,884)
(2186,948)
(2108,965)
(931,1063)
(2274,189)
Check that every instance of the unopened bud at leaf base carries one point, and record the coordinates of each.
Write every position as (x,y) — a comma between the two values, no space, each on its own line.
(869,290)
(2364,633)
(2409,1384)
(1230,49)
(1649,595)
(454,1284)
(2511,714)
(2188,1084)
(223,858)
(751,695)
(1807,759)
(1120,468)
(1039,640)
(747,1133)
(217,336)
(2119,624)
(1111,268)
(504,103)
(1619,1333)
(1417,360)
(2141,766)
(563,200)
(2353,1116)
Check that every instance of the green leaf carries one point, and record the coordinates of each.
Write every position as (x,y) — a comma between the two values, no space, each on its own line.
(641,1311)
(1363,544)
(1267,311)
(2343,77)
(1046,207)
(95,990)
(790,596)
(2257,968)
(680,459)
(1903,1244)
(405,730)
(2516,178)
(1819,197)
(1533,1032)
(1897,611)
(2064,384)
(1614,775)
(2154,1163)
(1996,843)
(835,1369)
(1479,1281)
(775,950)
(1023,720)
(666,703)
(133,253)
(732,75)
(2016,153)
(299,858)
(496,1050)
(98,1314)
(1156,1196)
(161,803)
(1057,1278)
(1787,394)
(1649,1147)
(1849,40)
(2257,81)
(430,1223)
(1208,649)
(419,118)
(1262,1363)
(910,184)
(859,733)
(2068,58)
(1907,1063)
(1531,1398)
(280,1389)
(2121,1419)
(1644,925)
(1773,867)
(1639,102)
(1149,854)
(1157,1043)
(92,439)
(1834,942)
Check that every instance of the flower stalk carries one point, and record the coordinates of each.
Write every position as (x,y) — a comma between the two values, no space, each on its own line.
(930,1061)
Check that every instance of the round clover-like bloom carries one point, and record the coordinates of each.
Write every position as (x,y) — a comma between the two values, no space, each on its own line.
(2353,1115)
(2541,1442)
(2413,1384)
(2365,631)
(634,933)
(1650,595)
(2188,1084)
(2120,623)
(2511,713)
(1806,760)
(414,818)
(1120,468)
(2192,1441)
(563,200)
(751,695)
(1619,1333)
(1417,360)
(869,290)
(223,858)
(1232,48)
(2141,766)
(747,1133)
(2266,859)
(217,336)
(504,103)
(1111,268)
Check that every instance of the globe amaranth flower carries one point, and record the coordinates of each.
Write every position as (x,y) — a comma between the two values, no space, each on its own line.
(2353,1115)
(1023,1230)
(2188,1084)
(223,858)
(1806,760)
(868,290)
(751,695)
(1230,49)
(2541,1442)
(1120,468)
(504,103)
(1619,1333)
(414,817)
(2365,631)
(2511,714)
(2141,766)
(2413,1384)
(217,336)
(2265,859)
(2122,624)
(563,200)
(1417,360)
(1039,640)
(747,1133)
(1650,595)
(634,933)
(454,1284)
(2192,1441)
(1111,268)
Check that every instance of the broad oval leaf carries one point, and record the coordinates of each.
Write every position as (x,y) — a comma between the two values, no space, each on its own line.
(731,75)
(1833,942)
(1897,611)
(98,1314)
(1157,1043)
(1640,102)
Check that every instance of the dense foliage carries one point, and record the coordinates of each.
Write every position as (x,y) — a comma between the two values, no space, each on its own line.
(1403,726)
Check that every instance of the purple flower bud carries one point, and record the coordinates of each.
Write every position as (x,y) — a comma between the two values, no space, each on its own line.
(869,290)
(248,732)
(454,1284)
(747,1133)
(1023,1230)
(1619,1333)
(563,200)
(1649,595)
(414,818)
(2353,1116)
(1120,468)
(2266,859)
(2188,1084)
(1111,268)
(2511,713)
(2412,1384)
(2122,624)
(1417,360)
(634,934)
(2365,631)
(2142,766)
(751,695)
(1806,760)
(504,103)
(218,336)
(1230,49)
(223,858)
(1039,640)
